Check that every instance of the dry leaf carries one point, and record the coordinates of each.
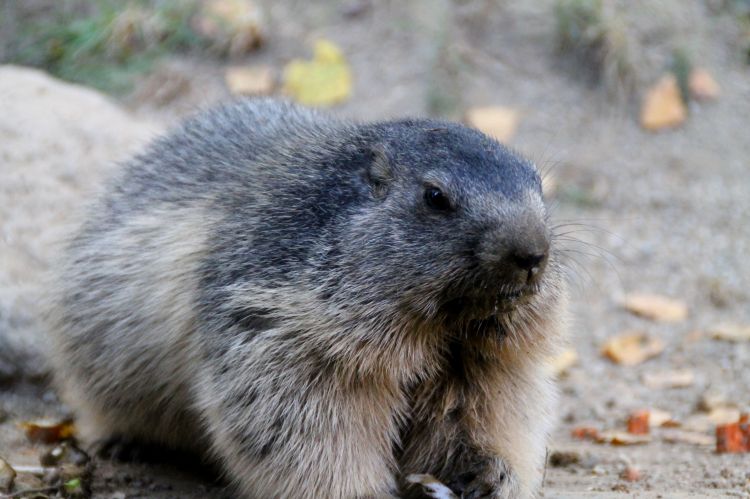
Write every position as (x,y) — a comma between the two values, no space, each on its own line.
(432,487)
(7,476)
(323,81)
(563,361)
(673,436)
(616,437)
(702,85)
(638,422)
(663,106)
(232,25)
(658,417)
(731,332)
(669,379)
(498,122)
(733,437)
(632,347)
(48,432)
(250,80)
(585,433)
(655,307)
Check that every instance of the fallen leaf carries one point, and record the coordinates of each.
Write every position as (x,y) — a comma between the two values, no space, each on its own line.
(674,436)
(563,361)
(323,81)
(234,26)
(655,307)
(48,432)
(722,415)
(702,85)
(632,347)
(616,437)
(733,437)
(250,80)
(630,474)
(638,422)
(585,433)
(498,122)
(663,106)
(731,332)
(669,379)
(431,486)
(7,476)
(658,417)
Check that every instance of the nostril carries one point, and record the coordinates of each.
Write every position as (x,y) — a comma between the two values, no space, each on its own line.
(530,262)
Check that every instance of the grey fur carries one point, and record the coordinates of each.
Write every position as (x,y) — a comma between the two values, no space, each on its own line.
(272,278)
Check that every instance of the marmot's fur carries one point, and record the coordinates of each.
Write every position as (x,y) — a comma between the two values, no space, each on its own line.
(325,307)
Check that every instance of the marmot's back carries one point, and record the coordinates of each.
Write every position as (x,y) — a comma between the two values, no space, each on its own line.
(283,279)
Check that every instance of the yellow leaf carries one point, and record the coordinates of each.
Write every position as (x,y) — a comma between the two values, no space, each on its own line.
(663,106)
(632,347)
(323,81)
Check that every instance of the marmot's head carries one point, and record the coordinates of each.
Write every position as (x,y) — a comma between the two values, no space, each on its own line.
(454,227)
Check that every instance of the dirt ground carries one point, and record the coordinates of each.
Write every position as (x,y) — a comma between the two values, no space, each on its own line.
(666,213)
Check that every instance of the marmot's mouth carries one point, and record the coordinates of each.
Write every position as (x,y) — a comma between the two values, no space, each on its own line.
(487,309)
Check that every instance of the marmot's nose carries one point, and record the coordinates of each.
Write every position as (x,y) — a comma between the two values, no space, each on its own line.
(529,261)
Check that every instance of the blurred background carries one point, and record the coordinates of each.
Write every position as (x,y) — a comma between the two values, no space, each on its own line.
(637,112)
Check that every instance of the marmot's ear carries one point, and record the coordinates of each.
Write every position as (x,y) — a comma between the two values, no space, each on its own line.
(379,171)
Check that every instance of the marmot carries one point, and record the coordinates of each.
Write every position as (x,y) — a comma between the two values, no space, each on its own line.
(323,306)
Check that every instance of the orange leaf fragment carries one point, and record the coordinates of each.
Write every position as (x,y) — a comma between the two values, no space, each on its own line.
(632,347)
(655,307)
(585,433)
(663,106)
(638,422)
(48,432)
(622,438)
(702,85)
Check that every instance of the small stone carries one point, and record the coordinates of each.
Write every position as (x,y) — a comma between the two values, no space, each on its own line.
(630,474)
(562,459)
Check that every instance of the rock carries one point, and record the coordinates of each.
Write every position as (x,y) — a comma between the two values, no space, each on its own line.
(58,143)
(7,476)
(562,459)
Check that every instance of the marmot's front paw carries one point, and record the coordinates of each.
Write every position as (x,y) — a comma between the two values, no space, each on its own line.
(490,479)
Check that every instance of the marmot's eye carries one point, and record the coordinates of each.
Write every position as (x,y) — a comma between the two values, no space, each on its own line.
(436,200)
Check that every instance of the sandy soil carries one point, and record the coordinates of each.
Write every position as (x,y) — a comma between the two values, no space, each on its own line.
(667,213)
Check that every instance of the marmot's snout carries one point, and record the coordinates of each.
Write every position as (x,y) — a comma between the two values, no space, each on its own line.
(516,252)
